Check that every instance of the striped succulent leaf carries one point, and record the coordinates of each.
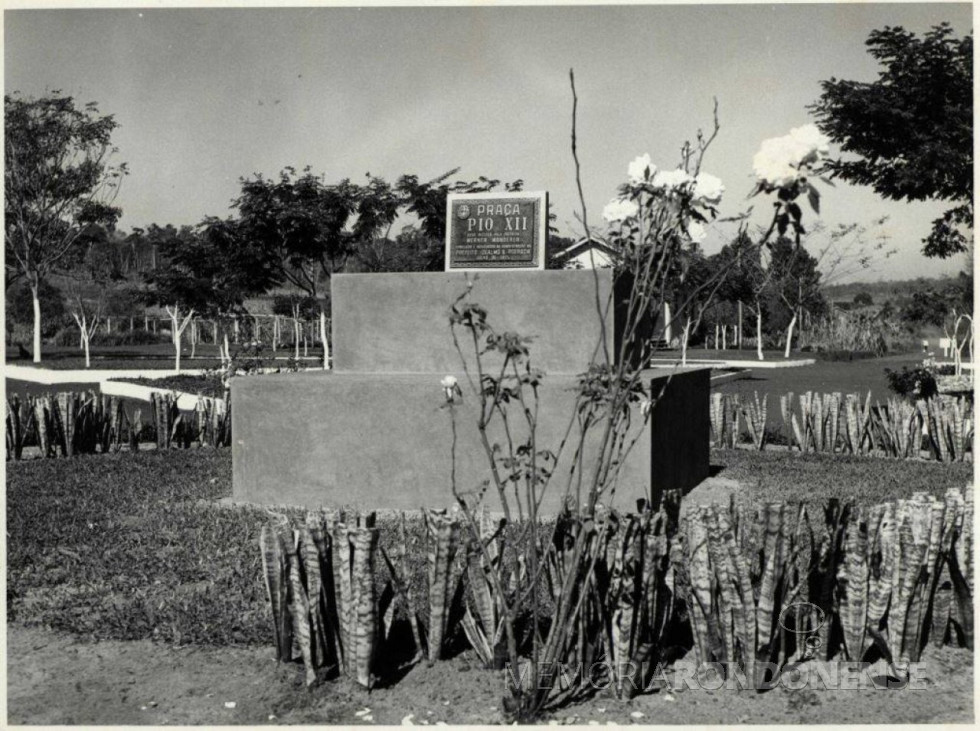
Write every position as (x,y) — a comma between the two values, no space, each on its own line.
(365,545)
(728,599)
(852,585)
(443,535)
(299,609)
(309,556)
(274,572)
(785,408)
(772,568)
(342,555)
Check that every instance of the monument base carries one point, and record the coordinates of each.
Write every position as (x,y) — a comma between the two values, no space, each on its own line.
(385,440)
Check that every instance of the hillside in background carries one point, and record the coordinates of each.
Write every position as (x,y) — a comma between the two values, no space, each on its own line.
(881,291)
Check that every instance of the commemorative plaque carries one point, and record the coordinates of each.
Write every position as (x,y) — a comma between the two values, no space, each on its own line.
(496,231)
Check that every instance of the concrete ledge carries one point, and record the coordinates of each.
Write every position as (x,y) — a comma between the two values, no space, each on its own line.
(714,363)
(51,376)
(399,323)
(384,440)
(718,378)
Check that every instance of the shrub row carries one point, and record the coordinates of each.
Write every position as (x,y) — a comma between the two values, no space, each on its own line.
(70,423)
(941,426)
(873,582)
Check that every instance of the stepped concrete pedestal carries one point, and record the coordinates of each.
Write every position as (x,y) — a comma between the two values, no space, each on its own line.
(375,433)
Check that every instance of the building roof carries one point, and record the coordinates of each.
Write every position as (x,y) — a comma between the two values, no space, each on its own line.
(584,244)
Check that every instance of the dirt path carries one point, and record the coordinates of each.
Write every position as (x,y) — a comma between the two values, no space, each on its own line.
(56,679)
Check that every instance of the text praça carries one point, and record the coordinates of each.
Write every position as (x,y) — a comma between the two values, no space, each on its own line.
(485,221)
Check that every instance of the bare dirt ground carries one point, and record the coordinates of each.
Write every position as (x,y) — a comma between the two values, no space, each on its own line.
(55,678)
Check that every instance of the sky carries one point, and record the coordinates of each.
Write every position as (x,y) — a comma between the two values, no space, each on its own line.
(205,96)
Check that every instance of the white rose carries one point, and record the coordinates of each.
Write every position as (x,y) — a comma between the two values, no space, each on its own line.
(708,189)
(812,138)
(775,161)
(781,161)
(696,231)
(619,210)
(671,179)
(449,387)
(641,169)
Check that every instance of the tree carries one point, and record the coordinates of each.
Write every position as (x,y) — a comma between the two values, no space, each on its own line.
(298,308)
(863,299)
(298,225)
(912,129)
(20,305)
(794,284)
(746,279)
(693,291)
(57,180)
(89,282)
(428,200)
(411,250)
(204,271)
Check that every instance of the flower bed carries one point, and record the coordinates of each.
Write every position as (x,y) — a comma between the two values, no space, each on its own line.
(941,427)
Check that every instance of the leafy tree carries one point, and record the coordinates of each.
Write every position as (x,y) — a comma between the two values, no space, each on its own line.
(794,286)
(89,283)
(926,307)
(746,279)
(412,250)
(204,272)
(912,129)
(863,299)
(428,200)
(693,291)
(20,305)
(296,306)
(298,223)
(58,180)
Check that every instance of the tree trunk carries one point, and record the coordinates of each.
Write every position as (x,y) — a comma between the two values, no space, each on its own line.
(193,339)
(740,321)
(667,329)
(716,336)
(789,336)
(724,337)
(36,299)
(174,324)
(687,334)
(296,338)
(88,359)
(323,339)
(758,333)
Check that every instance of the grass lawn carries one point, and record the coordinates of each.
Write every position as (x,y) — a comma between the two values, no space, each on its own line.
(16,387)
(128,546)
(859,376)
(777,475)
(824,376)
